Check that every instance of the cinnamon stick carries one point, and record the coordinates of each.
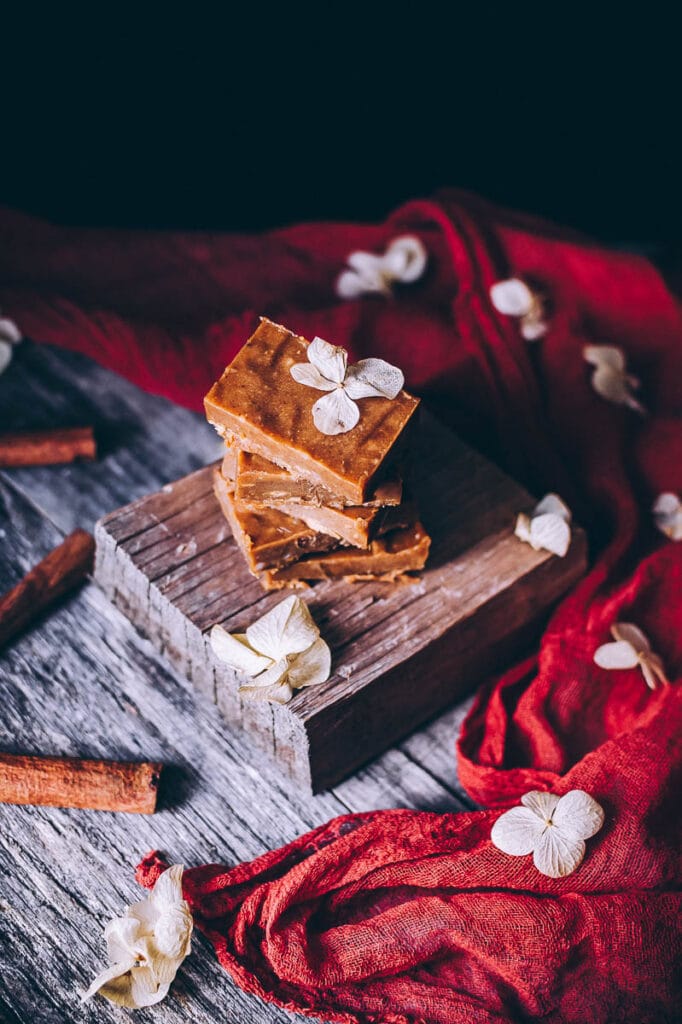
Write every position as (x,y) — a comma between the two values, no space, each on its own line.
(47,447)
(60,571)
(72,782)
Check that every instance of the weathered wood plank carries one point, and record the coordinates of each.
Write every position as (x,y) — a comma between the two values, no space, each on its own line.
(143,441)
(399,653)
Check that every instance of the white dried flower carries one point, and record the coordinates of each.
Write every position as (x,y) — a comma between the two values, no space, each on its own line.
(667,511)
(548,527)
(630,649)
(147,945)
(552,828)
(328,370)
(10,335)
(281,652)
(513,297)
(404,261)
(610,378)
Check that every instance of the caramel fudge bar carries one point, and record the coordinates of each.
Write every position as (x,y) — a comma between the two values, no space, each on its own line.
(355,525)
(387,558)
(270,539)
(259,480)
(258,400)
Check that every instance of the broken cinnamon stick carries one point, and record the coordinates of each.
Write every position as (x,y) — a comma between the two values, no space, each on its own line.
(72,782)
(60,571)
(47,447)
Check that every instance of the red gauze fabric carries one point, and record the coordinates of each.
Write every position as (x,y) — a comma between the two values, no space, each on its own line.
(402,916)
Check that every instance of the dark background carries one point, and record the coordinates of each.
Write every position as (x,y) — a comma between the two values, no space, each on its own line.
(342,113)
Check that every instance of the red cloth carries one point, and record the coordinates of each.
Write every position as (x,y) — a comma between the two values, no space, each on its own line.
(404,916)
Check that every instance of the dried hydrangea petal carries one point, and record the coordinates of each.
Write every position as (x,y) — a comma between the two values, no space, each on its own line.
(306,373)
(405,259)
(336,413)
(551,533)
(9,332)
(552,504)
(278,693)
(5,355)
(235,651)
(616,655)
(373,378)
(311,667)
(512,297)
(330,360)
(517,831)
(540,803)
(631,634)
(578,814)
(556,854)
(288,628)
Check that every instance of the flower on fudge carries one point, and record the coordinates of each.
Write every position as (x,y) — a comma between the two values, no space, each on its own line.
(327,369)
(280,653)
(146,946)
(552,828)
(403,262)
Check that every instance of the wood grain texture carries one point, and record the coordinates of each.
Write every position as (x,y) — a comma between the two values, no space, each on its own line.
(82,682)
(93,785)
(399,654)
(63,569)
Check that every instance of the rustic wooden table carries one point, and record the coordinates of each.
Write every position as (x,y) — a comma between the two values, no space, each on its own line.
(82,682)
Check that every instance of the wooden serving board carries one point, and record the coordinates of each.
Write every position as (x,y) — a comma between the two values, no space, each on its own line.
(400,653)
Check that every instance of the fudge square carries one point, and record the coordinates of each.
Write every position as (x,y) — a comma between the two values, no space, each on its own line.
(258,400)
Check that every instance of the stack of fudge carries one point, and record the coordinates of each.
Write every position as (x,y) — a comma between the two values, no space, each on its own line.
(303,505)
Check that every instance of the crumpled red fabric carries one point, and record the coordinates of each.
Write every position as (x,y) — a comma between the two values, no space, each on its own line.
(403,916)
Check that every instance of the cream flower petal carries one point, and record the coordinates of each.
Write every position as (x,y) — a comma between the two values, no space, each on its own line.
(405,259)
(288,628)
(373,378)
(236,652)
(9,331)
(517,831)
(551,533)
(540,803)
(552,504)
(306,373)
(330,360)
(609,356)
(350,285)
(310,667)
(616,655)
(577,814)
(512,297)
(667,510)
(274,676)
(278,693)
(335,413)
(148,944)
(652,670)
(5,355)
(631,634)
(532,328)
(609,378)
(557,855)
(114,984)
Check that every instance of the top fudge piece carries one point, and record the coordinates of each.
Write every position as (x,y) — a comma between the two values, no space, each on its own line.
(258,400)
